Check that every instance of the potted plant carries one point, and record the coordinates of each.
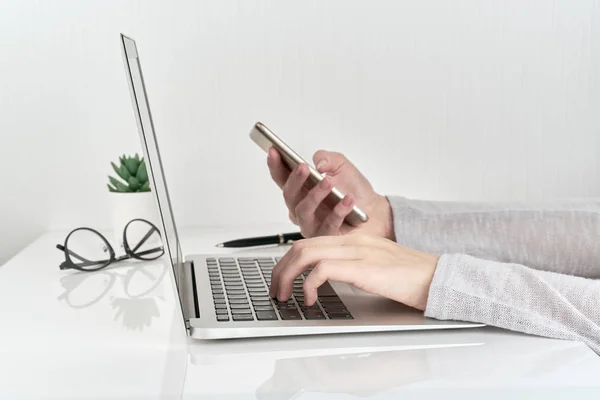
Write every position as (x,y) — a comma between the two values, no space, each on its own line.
(132,195)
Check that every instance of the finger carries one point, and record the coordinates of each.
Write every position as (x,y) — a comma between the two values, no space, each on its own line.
(329,162)
(279,172)
(298,247)
(336,270)
(308,258)
(292,190)
(292,217)
(333,222)
(306,208)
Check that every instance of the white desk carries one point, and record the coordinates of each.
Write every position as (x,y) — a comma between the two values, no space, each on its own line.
(118,334)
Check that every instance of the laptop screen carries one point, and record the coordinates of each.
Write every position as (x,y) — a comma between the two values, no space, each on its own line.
(151,154)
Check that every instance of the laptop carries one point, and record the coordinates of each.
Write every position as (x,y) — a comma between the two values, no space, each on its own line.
(227,297)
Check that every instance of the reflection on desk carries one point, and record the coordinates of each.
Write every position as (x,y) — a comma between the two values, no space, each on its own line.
(366,365)
(138,294)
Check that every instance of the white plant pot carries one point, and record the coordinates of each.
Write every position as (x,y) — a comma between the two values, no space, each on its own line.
(129,206)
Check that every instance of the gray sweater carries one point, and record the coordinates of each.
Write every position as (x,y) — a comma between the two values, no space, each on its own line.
(528,267)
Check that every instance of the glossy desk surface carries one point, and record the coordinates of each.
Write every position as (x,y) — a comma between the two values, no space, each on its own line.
(119,334)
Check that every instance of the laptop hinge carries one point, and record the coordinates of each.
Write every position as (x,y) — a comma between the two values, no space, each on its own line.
(187,292)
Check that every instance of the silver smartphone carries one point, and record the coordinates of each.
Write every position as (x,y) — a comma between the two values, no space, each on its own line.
(266,139)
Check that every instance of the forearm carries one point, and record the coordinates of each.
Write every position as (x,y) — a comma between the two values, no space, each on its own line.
(561,236)
(515,297)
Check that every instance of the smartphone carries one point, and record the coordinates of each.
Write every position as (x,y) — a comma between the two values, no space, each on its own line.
(266,139)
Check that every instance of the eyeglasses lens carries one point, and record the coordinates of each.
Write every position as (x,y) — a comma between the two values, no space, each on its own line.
(143,239)
(87,249)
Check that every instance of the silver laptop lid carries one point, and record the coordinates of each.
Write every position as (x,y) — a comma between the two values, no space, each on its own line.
(158,182)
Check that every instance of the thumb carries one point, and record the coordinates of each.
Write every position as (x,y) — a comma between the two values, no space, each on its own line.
(328,161)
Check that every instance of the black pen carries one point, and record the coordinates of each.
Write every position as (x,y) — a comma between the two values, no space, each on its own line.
(280,238)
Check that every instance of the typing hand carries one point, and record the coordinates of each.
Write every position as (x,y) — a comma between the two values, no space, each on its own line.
(317,219)
(373,264)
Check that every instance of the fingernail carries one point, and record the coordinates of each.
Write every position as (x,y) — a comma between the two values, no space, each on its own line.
(326,183)
(347,200)
(299,170)
(321,163)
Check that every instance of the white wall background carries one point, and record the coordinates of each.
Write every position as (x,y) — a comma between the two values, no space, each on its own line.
(473,100)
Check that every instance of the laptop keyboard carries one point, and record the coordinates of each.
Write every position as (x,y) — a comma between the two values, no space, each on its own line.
(240,290)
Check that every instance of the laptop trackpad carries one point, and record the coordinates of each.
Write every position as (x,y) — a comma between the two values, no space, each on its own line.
(359,301)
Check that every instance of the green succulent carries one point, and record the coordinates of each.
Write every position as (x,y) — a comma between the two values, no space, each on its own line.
(132,170)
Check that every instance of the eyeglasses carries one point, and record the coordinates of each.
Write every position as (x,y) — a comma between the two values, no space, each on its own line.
(88,250)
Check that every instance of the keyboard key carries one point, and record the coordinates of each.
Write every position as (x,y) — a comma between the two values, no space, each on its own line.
(314,315)
(218,296)
(329,299)
(255,285)
(219,301)
(261,298)
(340,316)
(222,318)
(241,311)
(220,306)
(238,306)
(236,296)
(257,290)
(263,308)
(222,312)
(286,304)
(266,315)
(290,315)
(238,301)
(332,306)
(217,291)
(243,317)
(261,303)
(234,286)
(236,291)
(311,308)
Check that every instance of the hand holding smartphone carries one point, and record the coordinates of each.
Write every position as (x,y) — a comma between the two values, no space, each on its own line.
(266,139)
